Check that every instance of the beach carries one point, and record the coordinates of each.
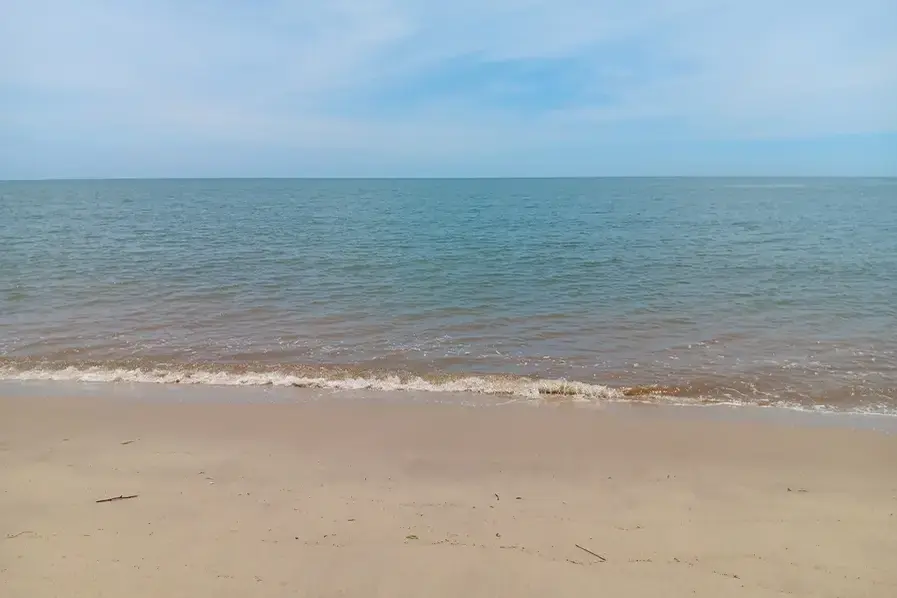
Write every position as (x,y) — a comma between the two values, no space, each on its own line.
(395,498)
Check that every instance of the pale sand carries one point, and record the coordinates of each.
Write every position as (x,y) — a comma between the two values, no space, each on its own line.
(366,499)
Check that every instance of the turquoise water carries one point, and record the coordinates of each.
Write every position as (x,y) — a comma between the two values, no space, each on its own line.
(766,291)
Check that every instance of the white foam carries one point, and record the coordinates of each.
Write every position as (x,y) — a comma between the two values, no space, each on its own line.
(489,385)
(510,386)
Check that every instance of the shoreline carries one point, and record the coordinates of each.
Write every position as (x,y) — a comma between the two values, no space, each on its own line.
(379,497)
(824,395)
(260,394)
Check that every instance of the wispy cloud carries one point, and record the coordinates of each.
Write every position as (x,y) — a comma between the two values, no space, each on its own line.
(419,84)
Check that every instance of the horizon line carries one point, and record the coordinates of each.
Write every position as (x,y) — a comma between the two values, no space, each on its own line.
(438,178)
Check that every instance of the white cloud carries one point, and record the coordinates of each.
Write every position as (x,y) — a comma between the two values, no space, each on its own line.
(279,74)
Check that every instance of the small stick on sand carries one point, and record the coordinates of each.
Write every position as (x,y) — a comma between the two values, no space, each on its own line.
(594,554)
(119,497)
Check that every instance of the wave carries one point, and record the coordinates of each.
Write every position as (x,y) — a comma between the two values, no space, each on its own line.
(349,379)
(334,380)
(323,378)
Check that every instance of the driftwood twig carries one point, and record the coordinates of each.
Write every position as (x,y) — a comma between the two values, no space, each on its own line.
(594,554)
(119,497)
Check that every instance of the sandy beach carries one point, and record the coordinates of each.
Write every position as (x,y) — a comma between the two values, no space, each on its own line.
(335,498)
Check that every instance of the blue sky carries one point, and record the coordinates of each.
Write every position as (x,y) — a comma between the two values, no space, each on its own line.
(148,88)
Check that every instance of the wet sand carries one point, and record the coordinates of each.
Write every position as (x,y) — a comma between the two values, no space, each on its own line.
(360,498)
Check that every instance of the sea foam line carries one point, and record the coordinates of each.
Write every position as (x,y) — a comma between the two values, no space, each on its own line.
(517,387)
(487,385)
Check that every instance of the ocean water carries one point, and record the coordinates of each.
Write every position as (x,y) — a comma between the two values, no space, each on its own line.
(746,291)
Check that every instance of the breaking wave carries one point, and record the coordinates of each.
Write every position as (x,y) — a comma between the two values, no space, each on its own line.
(349,379)
(323,378)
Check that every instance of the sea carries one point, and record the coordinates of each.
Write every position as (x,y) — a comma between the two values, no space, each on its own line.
(687,291)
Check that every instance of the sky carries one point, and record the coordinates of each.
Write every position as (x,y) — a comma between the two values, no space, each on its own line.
(228,88)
